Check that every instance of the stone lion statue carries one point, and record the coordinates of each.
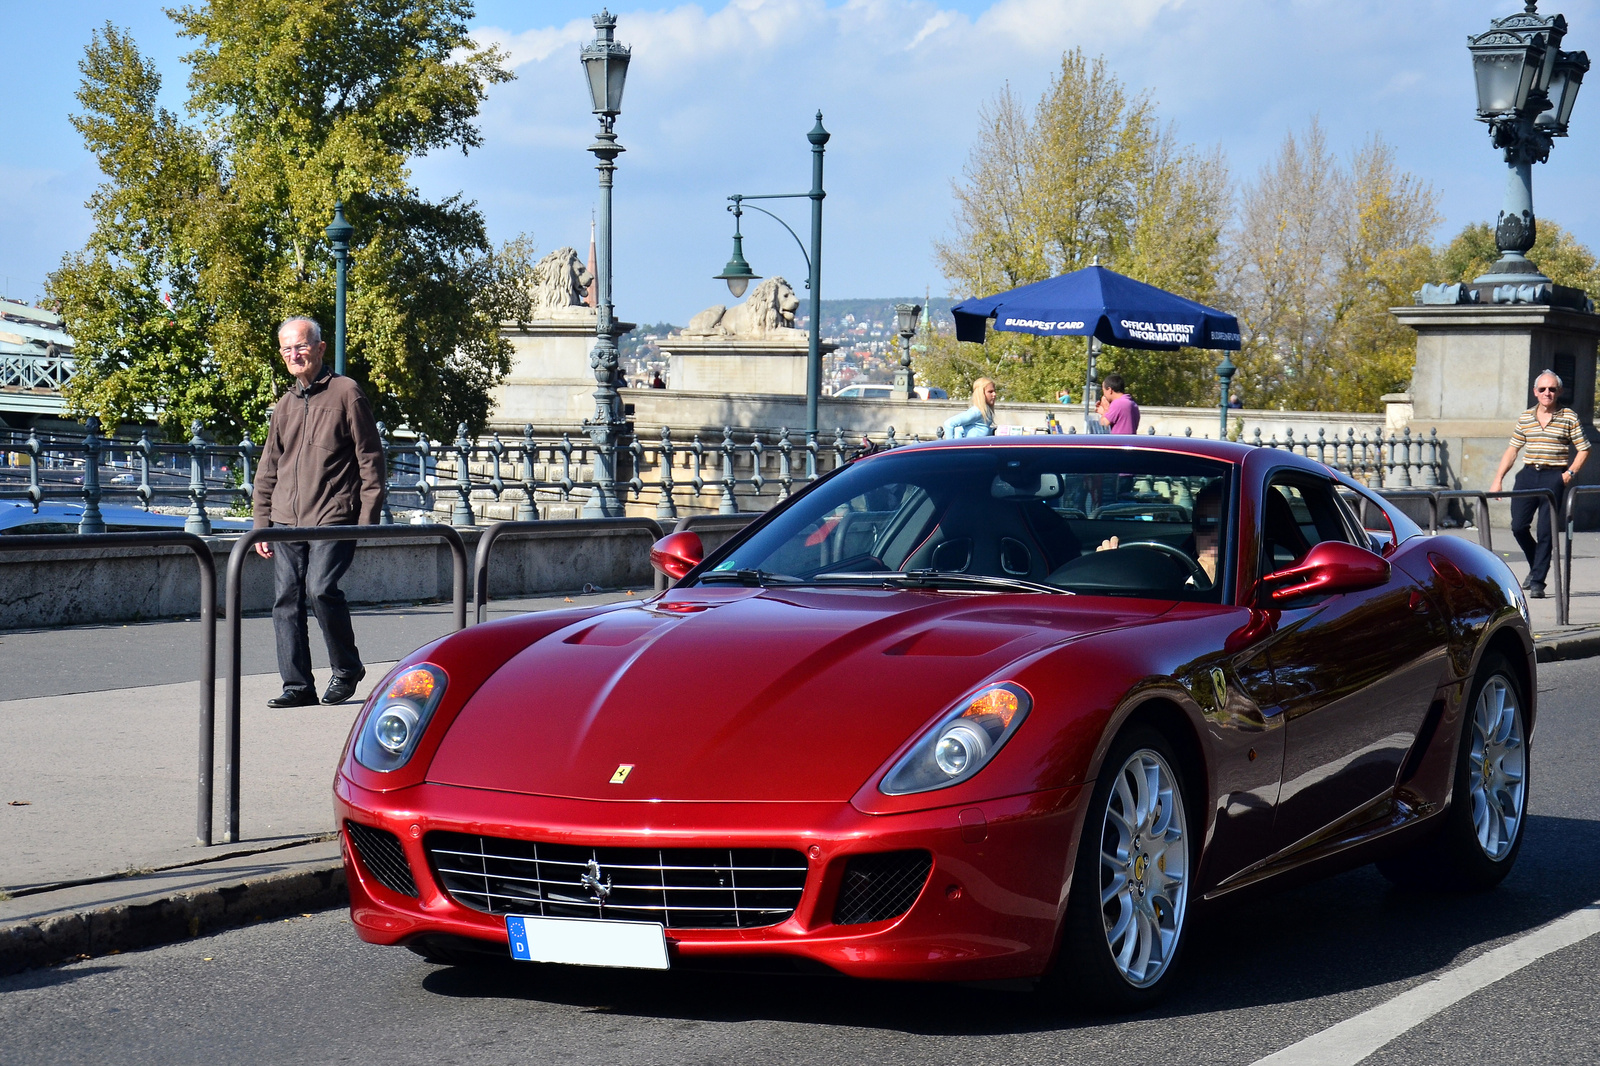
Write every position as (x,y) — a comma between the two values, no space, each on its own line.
(770,308)
(560,280)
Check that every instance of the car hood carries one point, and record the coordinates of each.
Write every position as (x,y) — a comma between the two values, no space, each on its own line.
(745,694)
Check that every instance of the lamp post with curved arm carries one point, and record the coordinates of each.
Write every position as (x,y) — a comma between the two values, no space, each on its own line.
(738,274)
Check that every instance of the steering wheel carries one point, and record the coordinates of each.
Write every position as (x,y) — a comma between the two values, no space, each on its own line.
(1196,571)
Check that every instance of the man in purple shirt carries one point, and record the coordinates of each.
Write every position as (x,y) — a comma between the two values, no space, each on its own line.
(1117,409)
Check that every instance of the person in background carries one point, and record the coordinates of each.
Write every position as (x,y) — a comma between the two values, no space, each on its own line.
(322,465)
(977,420)
(1551,433)
(1116,408)
(656,382)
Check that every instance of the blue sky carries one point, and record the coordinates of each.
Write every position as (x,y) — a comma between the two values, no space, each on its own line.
(721,94)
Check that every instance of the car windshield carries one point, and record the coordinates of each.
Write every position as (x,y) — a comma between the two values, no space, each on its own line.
(1103,521)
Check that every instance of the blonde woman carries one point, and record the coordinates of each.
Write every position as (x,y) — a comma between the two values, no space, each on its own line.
(977,420)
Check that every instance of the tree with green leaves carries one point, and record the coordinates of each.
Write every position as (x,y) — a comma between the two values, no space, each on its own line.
(208,230)
(1089,174)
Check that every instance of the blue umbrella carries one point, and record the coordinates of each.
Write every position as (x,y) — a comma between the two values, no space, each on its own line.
(1109,307)
(1096,302)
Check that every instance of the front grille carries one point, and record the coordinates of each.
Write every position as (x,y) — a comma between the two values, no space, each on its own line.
(682,888)
(879,887)
(383,857)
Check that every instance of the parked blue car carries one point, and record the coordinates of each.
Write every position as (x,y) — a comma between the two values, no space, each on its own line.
(18,518)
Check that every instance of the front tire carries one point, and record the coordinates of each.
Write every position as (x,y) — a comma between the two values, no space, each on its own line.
(1482,831)
(1127,918)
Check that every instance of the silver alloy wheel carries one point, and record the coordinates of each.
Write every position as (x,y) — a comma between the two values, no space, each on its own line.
(1144,868)
(1497,768)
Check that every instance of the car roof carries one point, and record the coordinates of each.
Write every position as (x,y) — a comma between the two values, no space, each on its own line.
(1227,451)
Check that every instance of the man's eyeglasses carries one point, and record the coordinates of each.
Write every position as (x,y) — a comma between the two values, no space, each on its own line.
(290,349)
(1546,389)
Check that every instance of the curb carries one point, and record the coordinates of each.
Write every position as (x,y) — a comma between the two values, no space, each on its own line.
(1583,644)
(166,919)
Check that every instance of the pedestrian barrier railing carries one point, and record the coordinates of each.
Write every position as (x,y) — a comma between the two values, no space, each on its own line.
(1560,555)
(234,605)
(1565,589)
(555,528)
(76,543)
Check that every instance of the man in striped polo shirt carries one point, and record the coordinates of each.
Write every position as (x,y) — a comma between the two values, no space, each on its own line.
(1550,433)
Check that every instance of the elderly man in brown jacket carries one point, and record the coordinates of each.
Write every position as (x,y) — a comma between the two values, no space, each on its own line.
(322,466)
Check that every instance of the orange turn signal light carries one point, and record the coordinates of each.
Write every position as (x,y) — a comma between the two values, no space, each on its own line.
(413,684)
(1001,702)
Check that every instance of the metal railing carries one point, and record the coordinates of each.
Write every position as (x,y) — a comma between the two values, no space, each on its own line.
(78,542)
(234,605)
(92,451)
(523,530)
(742,467)
(1398,461)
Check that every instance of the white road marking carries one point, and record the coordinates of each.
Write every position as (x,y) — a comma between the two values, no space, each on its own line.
(1355,1038)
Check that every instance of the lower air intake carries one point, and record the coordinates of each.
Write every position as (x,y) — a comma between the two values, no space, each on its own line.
(384,858)
(682,888)
(879,887)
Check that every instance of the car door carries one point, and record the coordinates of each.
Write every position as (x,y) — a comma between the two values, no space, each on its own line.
(1355,672)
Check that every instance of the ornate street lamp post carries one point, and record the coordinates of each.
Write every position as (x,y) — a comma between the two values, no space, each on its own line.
(905,379)
(738,275)
(339,233)
(606,63)
(1526,89)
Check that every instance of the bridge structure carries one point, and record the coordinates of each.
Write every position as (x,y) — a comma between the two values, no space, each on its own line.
(36,360)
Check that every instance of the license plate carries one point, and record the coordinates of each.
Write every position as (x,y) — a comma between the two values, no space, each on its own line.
(586,942)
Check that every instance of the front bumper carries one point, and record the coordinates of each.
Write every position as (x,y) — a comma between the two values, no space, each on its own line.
(991,906)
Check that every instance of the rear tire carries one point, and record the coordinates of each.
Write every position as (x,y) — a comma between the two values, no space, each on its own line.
(1128,914)
(1482,831)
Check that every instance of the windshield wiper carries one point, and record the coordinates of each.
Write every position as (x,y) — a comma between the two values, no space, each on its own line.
(923,579)
(748,578)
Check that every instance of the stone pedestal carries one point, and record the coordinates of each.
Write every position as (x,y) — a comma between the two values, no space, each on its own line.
(773,363)
(551,382)
(1475,369)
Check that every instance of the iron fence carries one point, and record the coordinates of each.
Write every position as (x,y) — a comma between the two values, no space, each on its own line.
(1398,461)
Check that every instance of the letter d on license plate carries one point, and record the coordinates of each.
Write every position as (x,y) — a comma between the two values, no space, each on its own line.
(586,942)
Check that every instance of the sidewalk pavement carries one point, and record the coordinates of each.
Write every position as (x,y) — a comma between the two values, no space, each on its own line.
(97,798)
(98,784)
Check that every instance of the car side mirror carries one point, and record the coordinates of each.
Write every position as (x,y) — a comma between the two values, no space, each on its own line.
(677,553)
(1332,566)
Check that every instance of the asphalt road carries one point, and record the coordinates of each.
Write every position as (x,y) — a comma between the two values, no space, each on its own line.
(1263,975)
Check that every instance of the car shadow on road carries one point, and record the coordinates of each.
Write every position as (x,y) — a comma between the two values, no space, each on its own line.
(1345,933)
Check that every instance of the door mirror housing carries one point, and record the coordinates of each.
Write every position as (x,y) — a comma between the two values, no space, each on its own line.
(1330,567)
(677,553)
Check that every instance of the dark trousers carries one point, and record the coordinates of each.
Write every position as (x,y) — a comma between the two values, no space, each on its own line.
(1523,509)
(308,573)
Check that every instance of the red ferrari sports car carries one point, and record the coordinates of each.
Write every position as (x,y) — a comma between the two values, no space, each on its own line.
(990,708)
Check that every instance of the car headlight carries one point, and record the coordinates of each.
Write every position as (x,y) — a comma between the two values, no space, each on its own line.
(962,742)
(393,729)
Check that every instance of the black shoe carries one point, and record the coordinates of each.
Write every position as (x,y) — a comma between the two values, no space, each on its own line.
(1536,591)
(1527,582)
(342,688)
(294,697)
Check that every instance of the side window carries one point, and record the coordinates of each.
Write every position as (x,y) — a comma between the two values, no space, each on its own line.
(1299,512)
